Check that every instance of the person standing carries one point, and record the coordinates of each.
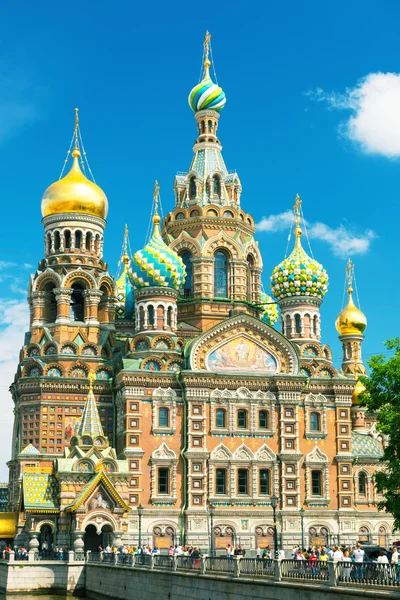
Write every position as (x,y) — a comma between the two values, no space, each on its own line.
(358,557)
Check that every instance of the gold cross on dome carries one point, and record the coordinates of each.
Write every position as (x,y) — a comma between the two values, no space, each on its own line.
(296,207)
(349,273)
(155,196)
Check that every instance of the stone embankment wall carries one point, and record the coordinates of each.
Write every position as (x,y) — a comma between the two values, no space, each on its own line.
(45,577)
(103,582)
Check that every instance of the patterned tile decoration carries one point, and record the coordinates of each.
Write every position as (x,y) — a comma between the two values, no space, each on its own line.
(299,275)
(270,310)
(157,265)
(90,421)
(366,446)
(40,491)
(30,450)
(125,298)
(3,499)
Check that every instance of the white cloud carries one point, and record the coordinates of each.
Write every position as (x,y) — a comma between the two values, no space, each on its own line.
(14,320)
(374,122)
(342,240)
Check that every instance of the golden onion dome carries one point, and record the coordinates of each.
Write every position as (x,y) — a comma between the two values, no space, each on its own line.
(74,193)
(351,321)
(358,390)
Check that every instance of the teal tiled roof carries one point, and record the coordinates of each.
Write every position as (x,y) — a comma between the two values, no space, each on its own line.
(365,445)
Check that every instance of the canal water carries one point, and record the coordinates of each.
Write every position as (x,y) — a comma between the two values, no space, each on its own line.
(35,597)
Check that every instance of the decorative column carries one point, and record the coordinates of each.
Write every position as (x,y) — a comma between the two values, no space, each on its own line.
(92,300)
(38,302)
(63,297)
(77,543)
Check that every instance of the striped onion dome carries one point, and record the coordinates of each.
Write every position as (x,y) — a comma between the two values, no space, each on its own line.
(270,309)
(207,95)
(157,265)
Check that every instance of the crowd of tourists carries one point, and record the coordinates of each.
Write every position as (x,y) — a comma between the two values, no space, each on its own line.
(176,550)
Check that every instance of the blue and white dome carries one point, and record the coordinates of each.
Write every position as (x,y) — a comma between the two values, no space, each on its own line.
(207,95)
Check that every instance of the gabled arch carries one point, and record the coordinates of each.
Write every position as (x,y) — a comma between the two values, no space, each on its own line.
(316,456)
(185,242)
(79,275)
(265,454)
(222,241)
(243,453)
(47,276)
(221,452)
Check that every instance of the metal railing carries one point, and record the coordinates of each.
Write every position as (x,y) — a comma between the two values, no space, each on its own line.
(163,561)
(187,562)
(221,564)
(370,573)
(263,567)
(305,569)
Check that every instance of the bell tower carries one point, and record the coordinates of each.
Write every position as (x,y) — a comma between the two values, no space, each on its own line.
(208,229)
(71,298)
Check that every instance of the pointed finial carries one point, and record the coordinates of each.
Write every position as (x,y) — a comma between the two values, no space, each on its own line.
(156,216)
(206,58)
(296,210)
(91,377)
(349,275)
(125,257)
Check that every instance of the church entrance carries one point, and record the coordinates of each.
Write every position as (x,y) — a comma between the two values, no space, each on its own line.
(46,535)
(92,539)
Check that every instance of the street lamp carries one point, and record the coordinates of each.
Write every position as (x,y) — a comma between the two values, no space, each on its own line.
(302,511)
(211,510)
(274,504)
(140,514)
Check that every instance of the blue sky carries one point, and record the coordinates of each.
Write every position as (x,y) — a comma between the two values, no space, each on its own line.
(313,96)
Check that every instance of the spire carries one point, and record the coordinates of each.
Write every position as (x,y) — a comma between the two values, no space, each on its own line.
(350,321)
(156,216)
(125,256)
(90,421)
(206,59)
(297,229)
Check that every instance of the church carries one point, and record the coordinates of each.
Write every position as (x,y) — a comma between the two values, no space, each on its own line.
(144,401)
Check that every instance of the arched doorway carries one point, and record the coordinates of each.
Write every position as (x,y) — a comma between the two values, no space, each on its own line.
(107,536)
(92,539)
(46,535)
(264,537)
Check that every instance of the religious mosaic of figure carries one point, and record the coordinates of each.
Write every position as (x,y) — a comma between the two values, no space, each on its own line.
(54,372)
(103,374)
(142,345)
(78,372)
(51,350)
(241,354)
(68,350)
(34,352)
(71,427)
(34,372)
(152,365)
(84,467)
(99,501)
(89,351)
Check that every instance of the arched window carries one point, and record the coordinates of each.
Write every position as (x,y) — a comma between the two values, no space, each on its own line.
(50,306)
(220,419)
(77,304)
(210,126)
(315,324)
(264,482)
(188,285)
(192,188)
(362,484)
(288,329)
(150,310)
(348,350)
(67,238)
(217,186)
(57,241)
(88,243)
(97,244)
(250,282)
(220,275)
(169,316)
(203,127)
(263,419)
(220,481)
(78,240)
(315,421)
(163,417)
(242,419)
(297,323)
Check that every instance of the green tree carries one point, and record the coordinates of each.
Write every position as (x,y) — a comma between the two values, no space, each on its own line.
(382,396)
